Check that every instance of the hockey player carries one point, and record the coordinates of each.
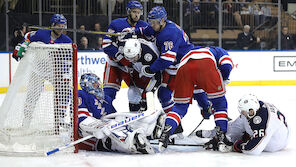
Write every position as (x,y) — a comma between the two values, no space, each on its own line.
(260,127)
(198,68)
(44,35)
(225,65)
(95,112)
(174,46)
(114,70)
(61,71)
(139,53)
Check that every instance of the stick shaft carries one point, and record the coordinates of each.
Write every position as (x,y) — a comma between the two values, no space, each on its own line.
(179,144)
(196,127)
(75,30)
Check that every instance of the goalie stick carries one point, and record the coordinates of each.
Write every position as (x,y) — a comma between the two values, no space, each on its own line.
(75,30)
(151,110)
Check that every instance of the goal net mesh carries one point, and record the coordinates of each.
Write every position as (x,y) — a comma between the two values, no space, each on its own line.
(37,113)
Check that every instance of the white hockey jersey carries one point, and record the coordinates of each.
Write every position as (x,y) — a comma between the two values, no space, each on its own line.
(268,130)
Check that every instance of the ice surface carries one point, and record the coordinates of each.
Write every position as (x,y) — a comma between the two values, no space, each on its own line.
(283,97)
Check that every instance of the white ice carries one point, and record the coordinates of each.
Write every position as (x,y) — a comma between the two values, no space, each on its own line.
(282,96)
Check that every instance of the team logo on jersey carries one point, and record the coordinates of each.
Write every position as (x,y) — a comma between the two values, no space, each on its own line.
(219,88)
(257,120)
(79,101)
(148,57)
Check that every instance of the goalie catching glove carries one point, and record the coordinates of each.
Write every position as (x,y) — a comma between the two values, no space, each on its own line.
(20,50)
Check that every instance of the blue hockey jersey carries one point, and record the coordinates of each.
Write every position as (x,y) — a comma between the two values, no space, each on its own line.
(223,60)
(44,35)
(172,42)
(109,43)
(89,105)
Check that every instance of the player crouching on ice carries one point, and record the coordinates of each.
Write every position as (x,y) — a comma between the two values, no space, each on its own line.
(96,112)
(260,127)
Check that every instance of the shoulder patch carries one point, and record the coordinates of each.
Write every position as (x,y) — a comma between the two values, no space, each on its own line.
(257,120)
(148,57)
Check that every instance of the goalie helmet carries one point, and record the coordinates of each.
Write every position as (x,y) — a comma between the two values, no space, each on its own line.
(248,102)
(58,18)
(91,83)
(158,12)
(132,49)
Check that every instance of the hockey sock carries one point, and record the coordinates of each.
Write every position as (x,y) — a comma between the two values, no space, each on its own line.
(111,92)
(220,115)
(165,97)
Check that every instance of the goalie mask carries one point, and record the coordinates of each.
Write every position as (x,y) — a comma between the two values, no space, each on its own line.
(91,83)
(132,50)
(248,105)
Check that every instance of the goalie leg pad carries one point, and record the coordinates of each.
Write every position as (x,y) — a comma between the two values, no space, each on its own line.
(130,141)
(159,127)
(142,144)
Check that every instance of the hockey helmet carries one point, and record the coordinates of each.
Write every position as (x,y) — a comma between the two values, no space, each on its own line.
(248,102)
(134,5)
(132,49)
(58,18)
(91,83)
(158,12)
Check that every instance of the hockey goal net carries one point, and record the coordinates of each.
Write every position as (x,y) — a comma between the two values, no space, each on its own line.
(39,110)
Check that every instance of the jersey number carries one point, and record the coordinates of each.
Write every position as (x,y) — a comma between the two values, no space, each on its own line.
(97,103)
(282,118)
(259,133)
(168,45)
(185,36)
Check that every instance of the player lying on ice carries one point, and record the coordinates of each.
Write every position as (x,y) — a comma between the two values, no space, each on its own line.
(260,127)
(96,112)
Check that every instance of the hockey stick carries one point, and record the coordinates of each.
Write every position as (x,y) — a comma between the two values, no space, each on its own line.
(196,127)
(151,110)
(75,30)
(179,144)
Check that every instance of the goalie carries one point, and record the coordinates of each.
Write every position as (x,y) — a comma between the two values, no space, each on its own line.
(96,112)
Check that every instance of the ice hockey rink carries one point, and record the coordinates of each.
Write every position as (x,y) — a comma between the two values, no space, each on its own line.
(283,97)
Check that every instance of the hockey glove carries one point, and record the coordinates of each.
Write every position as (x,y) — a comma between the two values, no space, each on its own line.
(208,112)
(145,71)
(126,35)
(212,144)
(119,58)
(237,146)
(20,50)
(246,137)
